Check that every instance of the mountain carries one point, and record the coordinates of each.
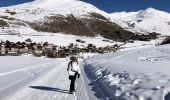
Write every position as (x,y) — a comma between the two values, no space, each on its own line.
(144,21)
(50,7)
(62,16)
(67,16)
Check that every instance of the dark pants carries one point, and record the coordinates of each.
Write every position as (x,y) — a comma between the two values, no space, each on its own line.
(72,84)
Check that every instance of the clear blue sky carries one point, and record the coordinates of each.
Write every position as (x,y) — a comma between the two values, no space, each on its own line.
(4,3)
(130,5)
(113,5)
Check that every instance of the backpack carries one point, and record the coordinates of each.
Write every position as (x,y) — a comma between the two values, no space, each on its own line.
(71,62)
(76,73)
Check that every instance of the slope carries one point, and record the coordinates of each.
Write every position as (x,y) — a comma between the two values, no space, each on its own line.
(67,16)
(144,21)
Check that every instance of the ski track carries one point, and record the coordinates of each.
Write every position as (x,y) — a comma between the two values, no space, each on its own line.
(8,86)
(33,67)
(53,85)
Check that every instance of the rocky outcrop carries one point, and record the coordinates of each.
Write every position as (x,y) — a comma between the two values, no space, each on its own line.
(3,23)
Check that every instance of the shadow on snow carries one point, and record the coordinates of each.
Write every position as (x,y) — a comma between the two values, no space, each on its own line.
(96,86)
(45,88)
(167,97)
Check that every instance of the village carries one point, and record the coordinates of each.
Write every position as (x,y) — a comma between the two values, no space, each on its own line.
(50,50)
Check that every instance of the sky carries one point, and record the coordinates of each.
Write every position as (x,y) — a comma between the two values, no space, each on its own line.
(4,3)
(130,5)
(111,6)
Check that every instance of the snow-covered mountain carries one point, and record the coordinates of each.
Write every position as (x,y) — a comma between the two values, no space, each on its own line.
(39,11)
(144,21)
(28,11)
(62,16)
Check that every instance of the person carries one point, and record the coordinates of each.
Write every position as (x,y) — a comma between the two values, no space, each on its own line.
(73,71)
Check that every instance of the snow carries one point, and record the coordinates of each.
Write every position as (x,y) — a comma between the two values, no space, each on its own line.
(38,9)
(138,71)
(146,21)
(59,39)
(16,71)
(15,62)
(139,44)
(32,78)
(130,74)
(139,74)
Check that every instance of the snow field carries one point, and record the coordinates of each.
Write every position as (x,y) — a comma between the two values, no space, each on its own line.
(57,39)
(141,74)
(17,71)
(43,83)
(65,40)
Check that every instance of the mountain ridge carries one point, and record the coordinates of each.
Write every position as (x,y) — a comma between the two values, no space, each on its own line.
(69,16)
(144,21)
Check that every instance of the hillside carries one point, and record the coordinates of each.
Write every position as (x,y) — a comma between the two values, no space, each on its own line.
(144,21)
(67,16)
